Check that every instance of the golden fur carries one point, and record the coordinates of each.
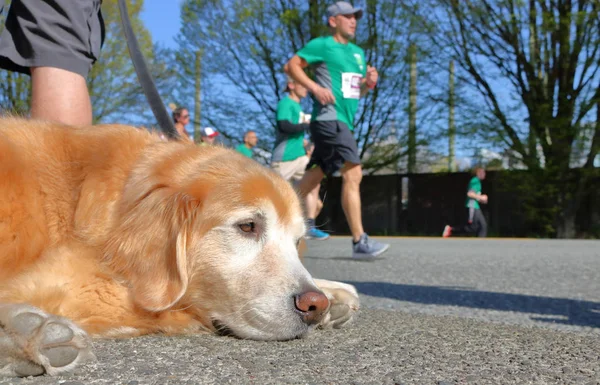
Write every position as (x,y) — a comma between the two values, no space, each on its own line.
(126,234)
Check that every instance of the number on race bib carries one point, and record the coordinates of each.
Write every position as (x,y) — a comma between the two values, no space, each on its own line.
(351,85)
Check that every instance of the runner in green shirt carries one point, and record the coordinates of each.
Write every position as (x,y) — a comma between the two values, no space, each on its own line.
(250,140)
(291,126)
(341,77)
(476,223)
(289,155)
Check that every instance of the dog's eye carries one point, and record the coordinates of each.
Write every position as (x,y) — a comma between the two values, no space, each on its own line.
(249,227)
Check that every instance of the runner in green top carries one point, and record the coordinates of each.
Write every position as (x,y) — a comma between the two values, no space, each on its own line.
(341,77)
(250,140)
(476,224)
(291,126)
(289,156)
(474,189)
(340,68)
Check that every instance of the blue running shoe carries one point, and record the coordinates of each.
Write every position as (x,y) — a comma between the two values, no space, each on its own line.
(368,248)
(314,233)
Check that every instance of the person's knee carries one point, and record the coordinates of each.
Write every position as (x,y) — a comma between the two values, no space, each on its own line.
(316,175)
(315,191)
(60,95)
(310,180)
(352,175)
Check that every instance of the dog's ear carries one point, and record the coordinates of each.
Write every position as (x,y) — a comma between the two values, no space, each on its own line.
(148,246)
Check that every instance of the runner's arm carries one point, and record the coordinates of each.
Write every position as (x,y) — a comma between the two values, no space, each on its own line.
(291,128)
(473,195)
(295,68)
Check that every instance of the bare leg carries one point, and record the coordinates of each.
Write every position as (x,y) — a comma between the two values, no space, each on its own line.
(312,203)
(352,176)
(319,205)
(59,95)
(311,179)
(309,187)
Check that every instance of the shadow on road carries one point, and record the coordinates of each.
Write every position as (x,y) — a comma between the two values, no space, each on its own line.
(553,310)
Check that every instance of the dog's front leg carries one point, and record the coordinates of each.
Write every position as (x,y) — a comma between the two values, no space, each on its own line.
(344,303)
(33,342)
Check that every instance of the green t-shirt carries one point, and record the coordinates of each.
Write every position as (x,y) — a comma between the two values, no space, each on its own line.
(340,68)
(288,146)
(474,185)
(244,150)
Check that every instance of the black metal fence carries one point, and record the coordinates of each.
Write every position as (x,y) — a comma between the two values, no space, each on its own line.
(422,204)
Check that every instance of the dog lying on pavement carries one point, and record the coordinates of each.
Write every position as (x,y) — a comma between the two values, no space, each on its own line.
(107,231)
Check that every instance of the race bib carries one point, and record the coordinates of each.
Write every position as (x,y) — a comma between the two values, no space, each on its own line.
(351,85)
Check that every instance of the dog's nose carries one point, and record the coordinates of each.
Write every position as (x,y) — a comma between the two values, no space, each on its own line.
(312,306)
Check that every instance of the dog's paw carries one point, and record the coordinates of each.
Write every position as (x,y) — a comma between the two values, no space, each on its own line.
(343,300)
(34,343)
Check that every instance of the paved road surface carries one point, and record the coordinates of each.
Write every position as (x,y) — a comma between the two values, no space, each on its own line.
(434,311)
(547,283)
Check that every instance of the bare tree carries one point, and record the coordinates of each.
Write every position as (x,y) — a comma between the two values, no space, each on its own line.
(534,65)
(246,45)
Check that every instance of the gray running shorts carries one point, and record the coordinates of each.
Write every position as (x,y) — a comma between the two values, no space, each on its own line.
(334,145)
(66,34)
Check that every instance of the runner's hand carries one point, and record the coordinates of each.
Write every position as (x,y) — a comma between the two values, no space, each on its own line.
(323,95)
(483,199)
(372,77)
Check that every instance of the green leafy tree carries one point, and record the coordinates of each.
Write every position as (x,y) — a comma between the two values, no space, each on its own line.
(15,92)
(115,92)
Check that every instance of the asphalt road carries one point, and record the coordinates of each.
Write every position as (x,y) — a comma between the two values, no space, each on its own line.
(434,311)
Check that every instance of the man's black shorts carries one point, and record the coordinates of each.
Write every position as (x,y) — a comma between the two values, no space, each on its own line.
(334,146)
(63,34)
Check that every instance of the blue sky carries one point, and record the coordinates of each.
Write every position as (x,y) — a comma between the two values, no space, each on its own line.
(162,20)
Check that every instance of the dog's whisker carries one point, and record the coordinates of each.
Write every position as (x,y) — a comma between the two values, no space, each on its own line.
(181,309)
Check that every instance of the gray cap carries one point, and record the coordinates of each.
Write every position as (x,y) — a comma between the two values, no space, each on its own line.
(343,8)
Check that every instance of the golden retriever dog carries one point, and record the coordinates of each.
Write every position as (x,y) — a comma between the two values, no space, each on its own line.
(108,231)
